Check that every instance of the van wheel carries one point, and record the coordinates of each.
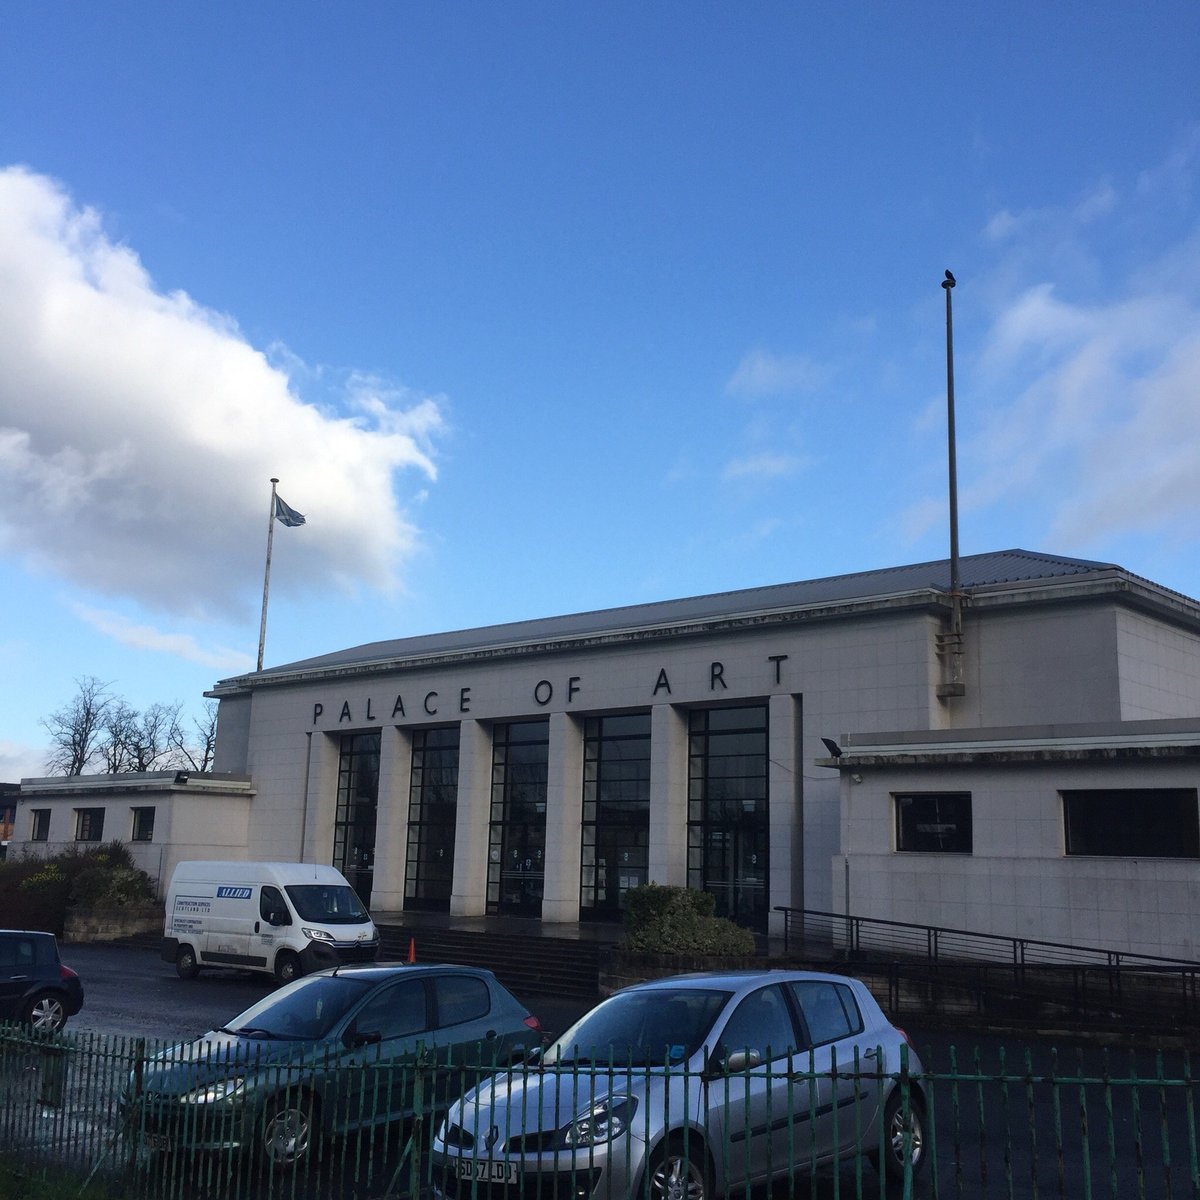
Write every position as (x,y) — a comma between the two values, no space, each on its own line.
(186,966)
(287,967)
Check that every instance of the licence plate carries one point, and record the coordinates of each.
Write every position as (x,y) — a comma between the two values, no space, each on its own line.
(156,1141)
(487,1171)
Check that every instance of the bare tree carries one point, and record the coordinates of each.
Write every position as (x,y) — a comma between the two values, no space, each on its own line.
(104,732)
(195,750)
(152,746)
(119,733)
(77,728)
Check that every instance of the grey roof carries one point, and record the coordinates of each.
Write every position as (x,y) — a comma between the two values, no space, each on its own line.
(975,571)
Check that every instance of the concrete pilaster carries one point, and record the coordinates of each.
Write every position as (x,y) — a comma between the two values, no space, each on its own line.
(668,794)
(469,895)
(785,784)
(564,815)
(391,819)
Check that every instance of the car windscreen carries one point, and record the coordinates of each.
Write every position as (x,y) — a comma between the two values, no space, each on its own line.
(303,1010)
(329,903)
(642,1028)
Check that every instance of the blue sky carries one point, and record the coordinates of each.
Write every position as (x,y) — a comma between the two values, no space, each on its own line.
(536,308)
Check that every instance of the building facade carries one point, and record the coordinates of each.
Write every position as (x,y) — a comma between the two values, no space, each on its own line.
(1039,778)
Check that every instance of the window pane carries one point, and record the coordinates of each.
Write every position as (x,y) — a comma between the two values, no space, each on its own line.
(1133,822)
(934,822)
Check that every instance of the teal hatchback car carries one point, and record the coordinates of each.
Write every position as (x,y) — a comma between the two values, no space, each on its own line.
(325,1055)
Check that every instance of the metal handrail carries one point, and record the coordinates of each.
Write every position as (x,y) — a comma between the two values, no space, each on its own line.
(1020,951)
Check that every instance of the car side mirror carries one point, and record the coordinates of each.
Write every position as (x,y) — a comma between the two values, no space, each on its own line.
(352,1039)
(740,1060)
(275,917)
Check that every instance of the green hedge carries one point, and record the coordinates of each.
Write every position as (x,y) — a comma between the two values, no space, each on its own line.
(660,919)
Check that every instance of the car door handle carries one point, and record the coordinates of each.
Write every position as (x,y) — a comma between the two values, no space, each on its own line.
(873,1052)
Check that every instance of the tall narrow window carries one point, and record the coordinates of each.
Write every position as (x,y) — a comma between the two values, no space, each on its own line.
(39,825)
(357,804)
(728,810)
(1132,822)
(616,813)
(143,825)
(517,832)
(432,809)
(89,824)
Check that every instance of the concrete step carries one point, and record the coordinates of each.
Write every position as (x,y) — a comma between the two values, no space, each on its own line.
(527,965)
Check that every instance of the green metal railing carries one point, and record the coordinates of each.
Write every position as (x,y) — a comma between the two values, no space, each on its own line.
(1039,1123)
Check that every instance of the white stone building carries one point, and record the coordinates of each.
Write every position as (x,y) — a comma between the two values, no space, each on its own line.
(1038,776)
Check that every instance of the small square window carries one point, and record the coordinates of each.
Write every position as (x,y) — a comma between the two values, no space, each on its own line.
(40,828)
(89,824)
(934,822)
(143,825)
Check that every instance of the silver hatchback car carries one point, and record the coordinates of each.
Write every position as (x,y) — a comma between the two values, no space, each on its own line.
(690,1087)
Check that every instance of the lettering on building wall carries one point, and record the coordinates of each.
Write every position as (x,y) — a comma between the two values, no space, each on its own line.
(543,692)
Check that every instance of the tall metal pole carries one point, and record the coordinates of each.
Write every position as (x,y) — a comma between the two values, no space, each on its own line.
(955,582)
(262,628)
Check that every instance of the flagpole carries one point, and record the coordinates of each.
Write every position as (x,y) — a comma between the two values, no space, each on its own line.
(262,628)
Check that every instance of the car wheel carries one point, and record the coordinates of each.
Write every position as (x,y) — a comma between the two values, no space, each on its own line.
(289,1131)
(45,1012)
(186,966)
(675,1175)
(287,967)
(893,1136)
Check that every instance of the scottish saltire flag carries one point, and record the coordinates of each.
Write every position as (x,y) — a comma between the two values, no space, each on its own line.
(285,514)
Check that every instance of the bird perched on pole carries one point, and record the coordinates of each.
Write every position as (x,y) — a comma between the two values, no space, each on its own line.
(949,281)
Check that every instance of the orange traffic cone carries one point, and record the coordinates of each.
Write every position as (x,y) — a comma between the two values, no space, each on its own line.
(412,950)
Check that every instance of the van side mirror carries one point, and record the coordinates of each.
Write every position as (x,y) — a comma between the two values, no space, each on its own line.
(275,917)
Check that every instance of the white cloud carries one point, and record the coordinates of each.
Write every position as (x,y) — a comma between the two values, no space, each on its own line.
(761,373)
(762,466)
(139,431)
(145,637)
(20,761)
(1090,383)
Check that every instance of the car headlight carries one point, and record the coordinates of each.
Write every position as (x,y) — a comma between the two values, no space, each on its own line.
(317,935)
(210,1093)
(605,1120)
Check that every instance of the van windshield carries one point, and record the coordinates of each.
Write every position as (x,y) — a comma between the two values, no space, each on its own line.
(330,903)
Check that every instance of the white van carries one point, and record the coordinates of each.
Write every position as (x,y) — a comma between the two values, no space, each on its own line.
(282,918)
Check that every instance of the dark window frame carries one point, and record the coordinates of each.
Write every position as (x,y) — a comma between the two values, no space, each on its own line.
(85,819)
(924,826)
(138,831)
(39,825)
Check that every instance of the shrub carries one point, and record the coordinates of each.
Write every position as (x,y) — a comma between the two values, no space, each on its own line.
(35,893)
(661,919)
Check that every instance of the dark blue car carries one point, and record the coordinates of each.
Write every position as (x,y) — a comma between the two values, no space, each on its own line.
(35,988)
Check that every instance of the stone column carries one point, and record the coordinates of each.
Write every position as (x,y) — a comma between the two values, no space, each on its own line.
(785,784)
(391,819)
(564,814)
(469,895)
(668,794)
(320,799)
